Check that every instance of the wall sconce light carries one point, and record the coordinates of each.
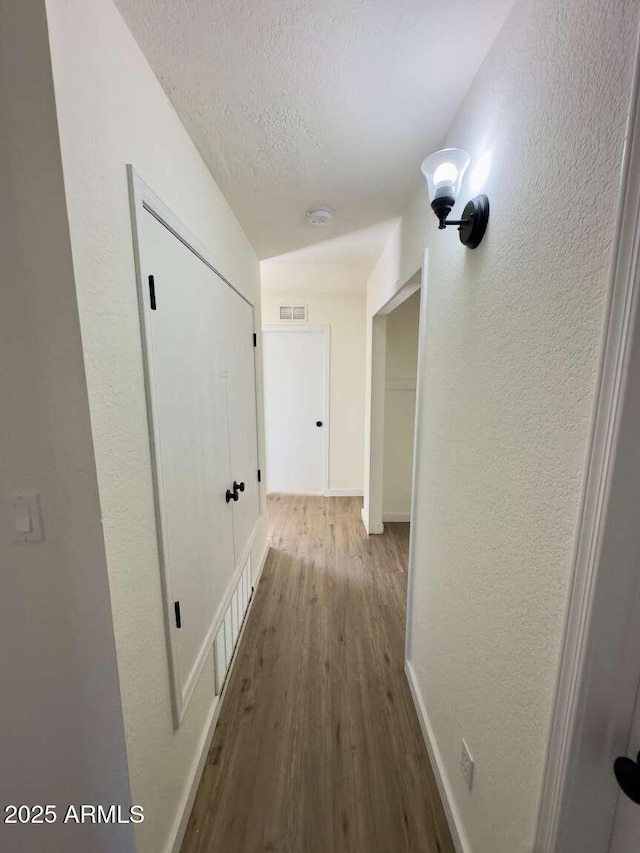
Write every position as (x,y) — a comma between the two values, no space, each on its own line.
(444,171)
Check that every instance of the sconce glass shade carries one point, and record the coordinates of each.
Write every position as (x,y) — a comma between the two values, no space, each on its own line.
(444,171)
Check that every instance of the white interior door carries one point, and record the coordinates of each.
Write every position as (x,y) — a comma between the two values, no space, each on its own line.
(243,430)
(296,365)
(185,325)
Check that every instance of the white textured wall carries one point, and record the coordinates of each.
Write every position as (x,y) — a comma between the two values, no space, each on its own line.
(512,343)
(400,405)
(111,111)
(60,719)
(346,317)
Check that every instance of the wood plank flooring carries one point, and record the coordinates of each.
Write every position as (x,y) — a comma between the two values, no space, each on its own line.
(318,748)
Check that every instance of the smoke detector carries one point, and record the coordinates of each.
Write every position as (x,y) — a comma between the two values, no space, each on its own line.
(319,215)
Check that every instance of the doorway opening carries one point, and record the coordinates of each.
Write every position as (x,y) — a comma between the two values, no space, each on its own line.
(401,374)
(393,361)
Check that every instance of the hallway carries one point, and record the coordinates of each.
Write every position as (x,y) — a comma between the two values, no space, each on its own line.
(318,748)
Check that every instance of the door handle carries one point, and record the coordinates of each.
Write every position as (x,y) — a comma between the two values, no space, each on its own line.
(319,423)
(231,495)
(627,773)
(238,487)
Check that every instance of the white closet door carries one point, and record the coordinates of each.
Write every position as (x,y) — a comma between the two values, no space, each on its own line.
(243,430)
(185,349)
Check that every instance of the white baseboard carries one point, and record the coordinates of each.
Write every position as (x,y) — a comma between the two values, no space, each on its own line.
(261,564)
(454,820)
(184,812)
(179,828)
(396,516)
(299,494)
(365,520)
(328,493)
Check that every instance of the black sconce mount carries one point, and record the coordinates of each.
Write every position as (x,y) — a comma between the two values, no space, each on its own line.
(473,224)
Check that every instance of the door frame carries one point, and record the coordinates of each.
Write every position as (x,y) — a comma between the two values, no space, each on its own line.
(600,668)
(374,449)
(325,331)
(422,346)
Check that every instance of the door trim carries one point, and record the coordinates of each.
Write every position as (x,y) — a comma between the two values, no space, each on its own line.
(142,197)
(591,614)
(326,332)
(417,445)
(377,379)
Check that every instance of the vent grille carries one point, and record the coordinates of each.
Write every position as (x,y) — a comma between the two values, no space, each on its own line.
(293,312)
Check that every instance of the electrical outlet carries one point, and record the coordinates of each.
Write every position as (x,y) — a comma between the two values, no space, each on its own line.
(466,764)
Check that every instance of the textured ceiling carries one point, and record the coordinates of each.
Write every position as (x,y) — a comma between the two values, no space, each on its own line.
(340,265)
(300,102)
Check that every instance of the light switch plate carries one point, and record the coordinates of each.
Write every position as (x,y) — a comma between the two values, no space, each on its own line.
(24,517)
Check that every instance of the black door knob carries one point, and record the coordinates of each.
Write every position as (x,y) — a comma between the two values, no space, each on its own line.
(318,423)
(628,775)
(232,495)
(238,487)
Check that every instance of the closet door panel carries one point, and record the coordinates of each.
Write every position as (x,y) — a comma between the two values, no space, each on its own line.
(186,367)
(243,429)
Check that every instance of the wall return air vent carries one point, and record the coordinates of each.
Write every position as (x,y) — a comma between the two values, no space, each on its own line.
(293,312)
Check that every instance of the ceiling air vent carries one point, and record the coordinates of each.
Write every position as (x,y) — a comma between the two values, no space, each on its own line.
(293,312)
